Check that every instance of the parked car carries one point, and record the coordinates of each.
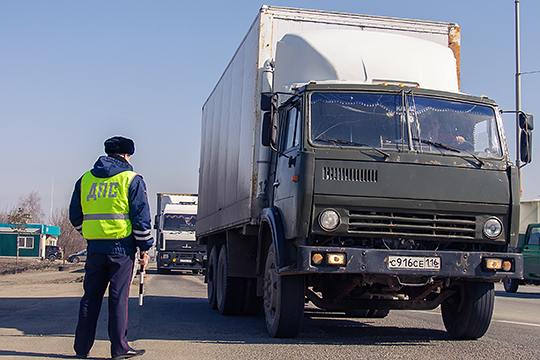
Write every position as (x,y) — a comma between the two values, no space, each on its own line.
(77,257)
(53,253)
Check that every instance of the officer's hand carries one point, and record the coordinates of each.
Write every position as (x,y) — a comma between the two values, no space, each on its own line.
(143,259)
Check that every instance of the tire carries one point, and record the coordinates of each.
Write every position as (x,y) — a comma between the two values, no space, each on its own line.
(211,278)
(357,313)
(511,285)
(467,314)
(75,260)
(229,290)
(252,304)
(163,271)
(51,257)
(377,313)
(284,298)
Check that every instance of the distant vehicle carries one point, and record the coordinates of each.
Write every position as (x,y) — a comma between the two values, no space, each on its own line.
(530,248)
(175,233)
(77,257)
(53,253)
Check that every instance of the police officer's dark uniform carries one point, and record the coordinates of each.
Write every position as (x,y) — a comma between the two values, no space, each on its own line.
(110,207)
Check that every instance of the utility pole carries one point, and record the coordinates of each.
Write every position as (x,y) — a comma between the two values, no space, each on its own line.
(518,97)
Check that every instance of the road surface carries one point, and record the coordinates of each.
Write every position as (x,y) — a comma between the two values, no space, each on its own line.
(38,314)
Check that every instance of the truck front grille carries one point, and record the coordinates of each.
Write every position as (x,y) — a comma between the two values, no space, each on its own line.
(349,174)
(420,226)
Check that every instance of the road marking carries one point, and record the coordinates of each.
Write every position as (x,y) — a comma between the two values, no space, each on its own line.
(517,323)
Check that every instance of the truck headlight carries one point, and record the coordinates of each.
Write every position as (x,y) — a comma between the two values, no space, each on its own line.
(492,228)
(329,220)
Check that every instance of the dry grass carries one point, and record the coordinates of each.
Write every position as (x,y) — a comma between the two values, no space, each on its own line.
(13,266)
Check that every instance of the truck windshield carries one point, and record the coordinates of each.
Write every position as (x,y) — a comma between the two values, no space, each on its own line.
(179,222)
(404,122)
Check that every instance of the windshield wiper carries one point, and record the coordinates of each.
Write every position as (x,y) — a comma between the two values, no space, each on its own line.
(449,148)
(345,142)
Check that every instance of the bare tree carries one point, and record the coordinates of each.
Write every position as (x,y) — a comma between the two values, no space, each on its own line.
(6,212)
(18,223)
(70,239)
(31,204)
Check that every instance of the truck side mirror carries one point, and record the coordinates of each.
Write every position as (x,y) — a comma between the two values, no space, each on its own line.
(525,146)
(526,124)
(266,130)
(269,129)
(266,101)
(526,121)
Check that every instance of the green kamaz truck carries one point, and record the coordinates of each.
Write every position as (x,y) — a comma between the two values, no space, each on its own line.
(342,166)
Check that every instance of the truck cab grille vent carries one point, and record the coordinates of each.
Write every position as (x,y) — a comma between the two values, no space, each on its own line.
(347,174)
(427,226)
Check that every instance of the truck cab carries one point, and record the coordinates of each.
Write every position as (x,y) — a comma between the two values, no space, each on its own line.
(175,231)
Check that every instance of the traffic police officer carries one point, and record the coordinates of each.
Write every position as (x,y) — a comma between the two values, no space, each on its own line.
(110,208)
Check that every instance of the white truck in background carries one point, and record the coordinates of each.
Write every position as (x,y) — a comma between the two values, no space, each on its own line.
(175,234)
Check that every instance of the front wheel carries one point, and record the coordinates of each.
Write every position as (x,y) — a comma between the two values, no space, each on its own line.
(511,285)
(75,260)
(467,314)
(284,298)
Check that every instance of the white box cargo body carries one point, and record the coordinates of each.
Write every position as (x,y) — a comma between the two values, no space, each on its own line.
(529,214)
(231,153)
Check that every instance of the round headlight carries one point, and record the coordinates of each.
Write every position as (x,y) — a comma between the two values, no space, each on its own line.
(493,228)
(329,220)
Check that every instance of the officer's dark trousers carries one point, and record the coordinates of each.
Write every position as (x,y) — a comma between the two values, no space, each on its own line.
(103,270)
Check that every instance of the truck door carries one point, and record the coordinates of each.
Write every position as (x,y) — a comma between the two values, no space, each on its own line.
(531,253)
(286,176)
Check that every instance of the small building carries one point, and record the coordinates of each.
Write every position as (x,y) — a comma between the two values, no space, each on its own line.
(31,243)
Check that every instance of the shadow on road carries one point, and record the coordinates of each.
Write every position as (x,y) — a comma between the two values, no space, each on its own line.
(179,318)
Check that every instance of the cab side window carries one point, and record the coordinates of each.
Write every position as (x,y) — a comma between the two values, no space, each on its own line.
(291,126)
(534,239)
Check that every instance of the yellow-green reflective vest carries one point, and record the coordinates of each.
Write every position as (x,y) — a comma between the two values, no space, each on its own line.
(105,206)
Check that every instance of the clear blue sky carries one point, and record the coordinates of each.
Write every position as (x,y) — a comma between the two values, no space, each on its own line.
(73,73)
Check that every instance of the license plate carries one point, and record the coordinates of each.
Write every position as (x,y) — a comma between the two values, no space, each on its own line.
(414,263)
(185,261)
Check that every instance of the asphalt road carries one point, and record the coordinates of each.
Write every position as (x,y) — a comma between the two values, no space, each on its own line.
(38,314)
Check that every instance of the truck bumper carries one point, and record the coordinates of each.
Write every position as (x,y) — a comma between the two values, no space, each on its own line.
(179,260)
(452,264)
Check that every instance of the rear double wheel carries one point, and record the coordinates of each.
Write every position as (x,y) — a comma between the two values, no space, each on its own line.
(211,277)
(284,298)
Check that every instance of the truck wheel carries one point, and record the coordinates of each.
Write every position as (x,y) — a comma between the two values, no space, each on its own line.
(161,270)
(229,290)
(511,285)
(357,313)
(467,314)
(75,260)
(211,278)
(377,313)
(284,298)
(253,304)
